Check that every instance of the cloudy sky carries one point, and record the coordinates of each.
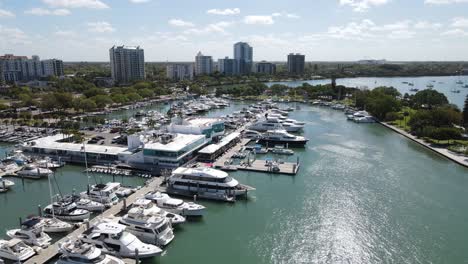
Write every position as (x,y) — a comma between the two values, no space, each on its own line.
(174,30)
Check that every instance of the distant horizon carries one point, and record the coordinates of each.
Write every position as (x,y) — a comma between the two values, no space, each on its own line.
(255,61)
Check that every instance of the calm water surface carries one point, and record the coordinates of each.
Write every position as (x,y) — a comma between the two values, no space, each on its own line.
(363,195)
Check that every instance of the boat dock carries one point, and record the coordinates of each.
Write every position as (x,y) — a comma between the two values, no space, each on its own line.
(51,252)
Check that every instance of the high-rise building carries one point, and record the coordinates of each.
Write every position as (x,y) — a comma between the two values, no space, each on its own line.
(203,64)
(296,63)
(20,68)
(227,66)
(179,71)
(243,54)
(265,67)
(127,64)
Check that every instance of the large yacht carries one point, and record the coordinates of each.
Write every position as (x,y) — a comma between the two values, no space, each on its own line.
(153,229)
(112,239)
(51,225)
(77,252)
(15,250)
(149,207)
(103,193)
(176,206)
(84,203)
(272,123)
(33,172)
(361,117)
(205,183)
(66,210)
(282,137)
(30,234)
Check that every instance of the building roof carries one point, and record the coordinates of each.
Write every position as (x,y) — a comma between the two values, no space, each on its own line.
(179,142)
(202,121)
(210,149)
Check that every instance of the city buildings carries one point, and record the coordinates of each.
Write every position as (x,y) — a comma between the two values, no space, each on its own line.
(203,64)
(227,66)
(179,71)
(296,63)
(22,69)
(243,54)
(127,64)
(265,68)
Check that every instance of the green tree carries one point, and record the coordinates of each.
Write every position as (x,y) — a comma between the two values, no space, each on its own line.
(465,112)
(429,98)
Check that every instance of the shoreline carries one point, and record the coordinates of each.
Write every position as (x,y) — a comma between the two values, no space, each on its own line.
(460,160)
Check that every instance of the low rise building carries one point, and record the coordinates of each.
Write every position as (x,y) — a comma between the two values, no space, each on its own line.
(265,68)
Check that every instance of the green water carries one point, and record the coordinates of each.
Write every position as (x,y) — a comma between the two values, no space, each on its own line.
(363,195)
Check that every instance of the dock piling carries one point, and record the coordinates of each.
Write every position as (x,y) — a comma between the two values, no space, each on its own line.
(39,210)
(137,256)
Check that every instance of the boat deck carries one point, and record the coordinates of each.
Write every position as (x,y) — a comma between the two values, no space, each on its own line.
(51,252)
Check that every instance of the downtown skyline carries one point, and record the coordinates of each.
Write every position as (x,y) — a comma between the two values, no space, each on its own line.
(341,30)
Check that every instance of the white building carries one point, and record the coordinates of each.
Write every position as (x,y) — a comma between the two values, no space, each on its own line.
(203,64)
(127,64)
(210,127)
(180,71)
(21,68)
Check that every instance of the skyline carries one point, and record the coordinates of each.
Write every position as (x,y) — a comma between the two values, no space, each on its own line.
(337,30)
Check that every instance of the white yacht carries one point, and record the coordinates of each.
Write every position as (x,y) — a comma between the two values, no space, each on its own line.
(149,207)
(30,234)
(281,137)
(15,250)
(77,252)
(267,124)
(103,193)
(252,134)
(6,184)
(84,203)
(51,225)
(206,183)
(176,206)
(49,164)
(33,172)
(153,229)
(281,151)
(112,239)
(361,117)
(66,210)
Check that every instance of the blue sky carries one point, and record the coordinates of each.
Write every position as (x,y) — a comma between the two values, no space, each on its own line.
(175,30)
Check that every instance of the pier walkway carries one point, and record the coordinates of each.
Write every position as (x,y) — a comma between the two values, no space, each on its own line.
(50,252)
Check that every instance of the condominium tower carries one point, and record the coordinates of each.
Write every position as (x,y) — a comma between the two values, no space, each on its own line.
(203,64)
(179,71)
(243,54)
(21,68)
(296,63)
(127,64)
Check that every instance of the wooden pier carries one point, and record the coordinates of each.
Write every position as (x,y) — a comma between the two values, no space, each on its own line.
(51,252)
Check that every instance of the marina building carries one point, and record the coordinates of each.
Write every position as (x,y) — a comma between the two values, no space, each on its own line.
(180,71)
(209,127)
(265,68)
(127,64)
(296,63)
(213,151)
(243,54)
(20,68)
(227,66)
(203,64)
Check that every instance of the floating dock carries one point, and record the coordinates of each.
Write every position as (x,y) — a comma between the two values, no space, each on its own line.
(51,252)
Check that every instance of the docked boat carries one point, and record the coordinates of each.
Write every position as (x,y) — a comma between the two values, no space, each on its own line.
(51,225)
(103,193)
(15,250)
(252,134)
(6,184)
(49,164)
(84,203)
(268,124)
(177,206)
(30,234)
(149,207)
(112,239)
(67,211)
(281,137)
(205,183)
(414,90)
(153,229)
(77,252)
(33,172)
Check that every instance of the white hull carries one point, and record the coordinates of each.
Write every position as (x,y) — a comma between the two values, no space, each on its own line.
(71,218)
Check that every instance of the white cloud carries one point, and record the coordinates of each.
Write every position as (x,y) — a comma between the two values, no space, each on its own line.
(427,25)
(362,5)
(287,15)
(455,32)
(139,1)
(100,27)
(259,20)
(224,12)
(12,36)
(180,23)
(219,27)
(92,4)
(48,12)
(65,33)
(444,2)
(6,13)
(460,22)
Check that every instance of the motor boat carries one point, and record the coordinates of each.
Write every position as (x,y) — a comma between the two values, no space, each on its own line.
(33,172)
(49,164)
(206,183)
(281,137)
(149,207)
(149,228)
(67,211)
(103,193)
(30,234)
(361,117)
(272,123)
(77,252)
(112,239)
(51,225)
(15,250)
(6,184)
(177,206)
(84,203)
(124,191)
